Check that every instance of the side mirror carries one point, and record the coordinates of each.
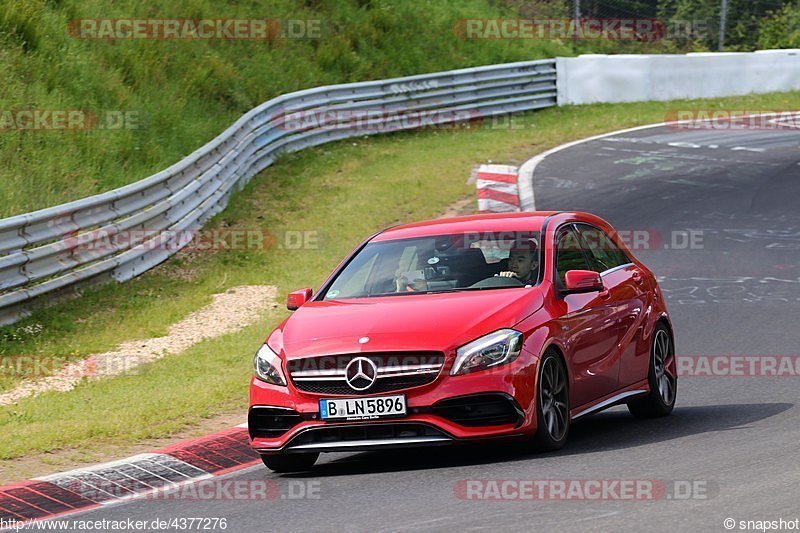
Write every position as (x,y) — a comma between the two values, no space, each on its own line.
(297,298)
(580,281)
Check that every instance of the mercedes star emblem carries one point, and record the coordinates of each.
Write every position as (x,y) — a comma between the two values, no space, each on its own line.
(361,373)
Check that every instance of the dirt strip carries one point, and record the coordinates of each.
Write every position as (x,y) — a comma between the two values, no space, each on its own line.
(228,312)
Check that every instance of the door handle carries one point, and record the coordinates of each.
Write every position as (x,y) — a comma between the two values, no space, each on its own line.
(637,276)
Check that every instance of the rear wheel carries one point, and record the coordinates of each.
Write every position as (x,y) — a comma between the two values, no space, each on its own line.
(552,404)
(290,462)
(661,378)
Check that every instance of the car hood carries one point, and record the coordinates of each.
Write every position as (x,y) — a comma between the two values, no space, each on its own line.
(419,322)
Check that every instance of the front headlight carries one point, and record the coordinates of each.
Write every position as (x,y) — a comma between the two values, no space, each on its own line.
(494,349)
(268,366)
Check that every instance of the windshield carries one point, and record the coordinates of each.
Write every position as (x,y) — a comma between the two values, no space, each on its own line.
(441,263)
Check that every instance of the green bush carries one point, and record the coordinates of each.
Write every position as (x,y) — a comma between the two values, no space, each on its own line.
(782,28)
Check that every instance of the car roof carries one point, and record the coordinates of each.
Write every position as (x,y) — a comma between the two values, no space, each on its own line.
(490,222)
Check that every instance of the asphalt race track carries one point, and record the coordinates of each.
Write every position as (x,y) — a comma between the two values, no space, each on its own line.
(733,291)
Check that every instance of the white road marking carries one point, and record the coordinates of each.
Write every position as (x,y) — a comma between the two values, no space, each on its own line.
(526,171)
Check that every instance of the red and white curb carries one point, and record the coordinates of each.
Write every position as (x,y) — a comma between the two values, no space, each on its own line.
(497,188)
(138,476)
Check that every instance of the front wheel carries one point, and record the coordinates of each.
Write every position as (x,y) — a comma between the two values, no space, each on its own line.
(661,377)
(552,404)
(290,462)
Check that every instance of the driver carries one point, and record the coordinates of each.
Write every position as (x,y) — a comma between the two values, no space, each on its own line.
(413,281)
(523,263)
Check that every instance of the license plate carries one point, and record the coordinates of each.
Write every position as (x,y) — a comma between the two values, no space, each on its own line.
(362,408)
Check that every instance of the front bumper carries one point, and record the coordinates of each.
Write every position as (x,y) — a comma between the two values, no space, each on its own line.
(491,404)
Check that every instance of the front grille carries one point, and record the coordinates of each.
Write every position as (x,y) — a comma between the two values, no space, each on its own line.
(382,385)
(365,433)
(271,422)
(394,371)
(480,410)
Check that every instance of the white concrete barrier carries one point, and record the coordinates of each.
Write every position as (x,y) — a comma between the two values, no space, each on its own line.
(591,79)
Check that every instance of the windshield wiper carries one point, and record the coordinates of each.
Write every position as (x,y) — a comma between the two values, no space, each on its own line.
(464,289)
(440,291)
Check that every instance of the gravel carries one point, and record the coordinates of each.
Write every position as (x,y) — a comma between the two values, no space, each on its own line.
(228,312)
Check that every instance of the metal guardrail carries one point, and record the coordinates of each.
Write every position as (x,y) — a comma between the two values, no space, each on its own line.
(47,251)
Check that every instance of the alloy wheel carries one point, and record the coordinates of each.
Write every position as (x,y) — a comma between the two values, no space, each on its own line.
(553,399)
(662,358)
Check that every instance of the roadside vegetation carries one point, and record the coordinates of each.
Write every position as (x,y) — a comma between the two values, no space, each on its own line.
(341,193)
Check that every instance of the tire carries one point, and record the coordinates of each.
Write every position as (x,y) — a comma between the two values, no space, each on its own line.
(660,376)
(552,404)
(290,462)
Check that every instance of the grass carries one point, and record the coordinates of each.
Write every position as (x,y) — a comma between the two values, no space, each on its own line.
(344,192)
(182,93)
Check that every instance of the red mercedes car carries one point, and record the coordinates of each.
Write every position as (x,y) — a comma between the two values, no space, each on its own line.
(501,326)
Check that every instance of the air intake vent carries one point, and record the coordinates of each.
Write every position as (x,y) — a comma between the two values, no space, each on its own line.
(480,410)
(271,422)
(367,436)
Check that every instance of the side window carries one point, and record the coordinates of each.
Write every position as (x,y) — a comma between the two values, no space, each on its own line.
(604,251)
(569,254)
